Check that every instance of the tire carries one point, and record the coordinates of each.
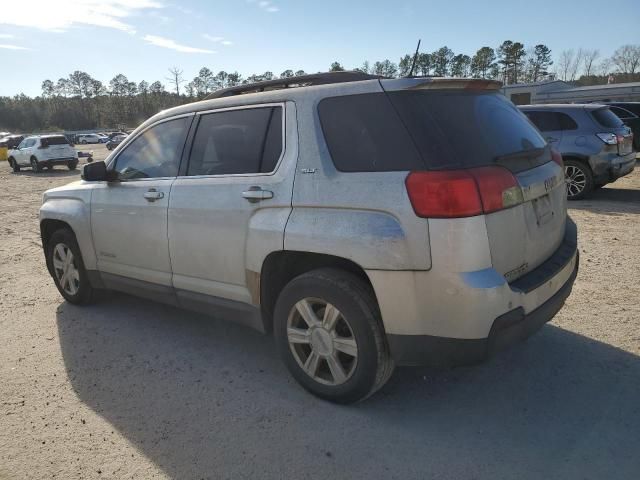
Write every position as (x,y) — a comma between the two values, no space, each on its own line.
(578,178)
(84,142)
(76,288)
(363,369)
(14,165)
(35,166)
(72,165)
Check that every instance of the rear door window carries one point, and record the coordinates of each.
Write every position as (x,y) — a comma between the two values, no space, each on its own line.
(237,142)
(606,118)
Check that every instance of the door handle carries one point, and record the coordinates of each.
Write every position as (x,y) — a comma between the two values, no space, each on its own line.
(255,194)
(152,195)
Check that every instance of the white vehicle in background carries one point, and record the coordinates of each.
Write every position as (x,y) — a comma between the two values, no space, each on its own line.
(38,152)
(91,138)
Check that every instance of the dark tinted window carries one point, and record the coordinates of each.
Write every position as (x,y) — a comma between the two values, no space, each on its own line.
(545,121)
(622,113)
(459,128)
(57,140)
(237,141)
(566,122)
(364,134)
(155,153)
(606,118)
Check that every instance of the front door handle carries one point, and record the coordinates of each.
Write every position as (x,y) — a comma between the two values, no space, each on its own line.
(152,195)
(255,194)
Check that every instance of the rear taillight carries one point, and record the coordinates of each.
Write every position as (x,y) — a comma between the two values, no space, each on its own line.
(608,138)
(556,156)
(462,193)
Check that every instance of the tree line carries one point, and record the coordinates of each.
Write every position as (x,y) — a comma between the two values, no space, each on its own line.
(80,101)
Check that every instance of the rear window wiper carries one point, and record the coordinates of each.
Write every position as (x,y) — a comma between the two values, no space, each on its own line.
(528,153)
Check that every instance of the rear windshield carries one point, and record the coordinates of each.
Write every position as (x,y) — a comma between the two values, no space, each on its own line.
(412,130)
(606,118)
(57,140)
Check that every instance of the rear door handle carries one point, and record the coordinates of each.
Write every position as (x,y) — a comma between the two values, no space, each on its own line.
(255,194)
(152,195)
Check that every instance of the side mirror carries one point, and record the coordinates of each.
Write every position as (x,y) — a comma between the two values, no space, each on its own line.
(97,172)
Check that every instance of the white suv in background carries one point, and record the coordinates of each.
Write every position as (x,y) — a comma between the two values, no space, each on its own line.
(43,151)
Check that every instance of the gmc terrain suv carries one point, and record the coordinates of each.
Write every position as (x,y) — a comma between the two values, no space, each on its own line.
(355,217)
(596,146)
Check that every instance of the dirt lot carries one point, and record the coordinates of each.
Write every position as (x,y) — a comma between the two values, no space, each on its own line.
(131,389)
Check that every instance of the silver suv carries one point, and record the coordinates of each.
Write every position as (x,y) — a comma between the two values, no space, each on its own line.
(596,146)
(357,218)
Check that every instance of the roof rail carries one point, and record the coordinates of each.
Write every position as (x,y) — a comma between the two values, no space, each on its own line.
(290,82)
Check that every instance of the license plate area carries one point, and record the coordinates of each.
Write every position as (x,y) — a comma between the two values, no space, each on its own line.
(543,209)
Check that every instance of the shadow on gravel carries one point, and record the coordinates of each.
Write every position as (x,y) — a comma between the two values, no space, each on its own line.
(610,200)
(56,172)
(205,399)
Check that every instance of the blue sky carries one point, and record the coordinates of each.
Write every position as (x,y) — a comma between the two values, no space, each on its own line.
(48,39)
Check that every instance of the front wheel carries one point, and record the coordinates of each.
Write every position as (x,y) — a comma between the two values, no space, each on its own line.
(72,165)
(578,179)
(14,165)
(67,268)
(329,333)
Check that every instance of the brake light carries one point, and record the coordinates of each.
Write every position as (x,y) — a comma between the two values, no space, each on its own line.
(556,156)
(462,193)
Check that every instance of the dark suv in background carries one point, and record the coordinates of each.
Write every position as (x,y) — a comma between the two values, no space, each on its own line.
(596,146)
(627,113)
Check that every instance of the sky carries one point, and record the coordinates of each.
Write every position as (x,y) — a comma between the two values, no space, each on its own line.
(142,39)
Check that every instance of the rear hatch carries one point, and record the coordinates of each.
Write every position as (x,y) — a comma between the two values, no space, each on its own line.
(609,122)
(57,147)
(466,125)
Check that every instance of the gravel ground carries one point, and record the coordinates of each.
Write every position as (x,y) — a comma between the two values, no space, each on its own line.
(132,389)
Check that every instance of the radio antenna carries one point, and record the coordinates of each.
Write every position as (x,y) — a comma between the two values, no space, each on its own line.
(415,56)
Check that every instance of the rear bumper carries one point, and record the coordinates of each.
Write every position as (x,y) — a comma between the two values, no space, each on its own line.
(507,329)
(616,168)
(57,161)
(485,317)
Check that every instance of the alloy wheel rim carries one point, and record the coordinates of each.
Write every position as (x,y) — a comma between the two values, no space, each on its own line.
(575,179)
(322,341)
(64,265)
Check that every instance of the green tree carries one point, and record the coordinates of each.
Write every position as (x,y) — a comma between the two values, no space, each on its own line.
(483,63)
(336,67)
(441,60)
(385,68)
(287,74)
(460,65)
(539,62)
(511,56)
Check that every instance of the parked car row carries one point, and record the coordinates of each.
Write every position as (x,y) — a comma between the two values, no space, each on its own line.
(596,146)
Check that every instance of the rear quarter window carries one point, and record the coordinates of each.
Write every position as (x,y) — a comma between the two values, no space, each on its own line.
(60,140)
(606,118)
(364,134)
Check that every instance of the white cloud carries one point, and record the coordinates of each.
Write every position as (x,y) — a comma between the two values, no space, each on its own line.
(60,15)
(266,5)
(171,44)
(220,40)
(6,35)
(12,47)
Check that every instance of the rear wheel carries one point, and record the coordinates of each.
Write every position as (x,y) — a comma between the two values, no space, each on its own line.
(14,165)
(67,268)
(72,165)
(578,179)
(329,334)
(35,165)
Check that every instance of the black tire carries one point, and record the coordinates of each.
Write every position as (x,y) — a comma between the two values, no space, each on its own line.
(72,165)
(583,184)
(85,292)
(14,165)
(84,142)
(35,165)
(357,304)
